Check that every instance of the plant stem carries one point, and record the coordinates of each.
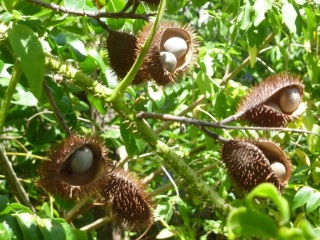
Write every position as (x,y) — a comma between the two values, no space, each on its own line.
(123,85)
(11,177)
(168,117)
(55,108)
(17,71)
(5,164)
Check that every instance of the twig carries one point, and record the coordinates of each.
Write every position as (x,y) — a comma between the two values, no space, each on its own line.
(55,108)
(96,224)
(246,61)
(193,105)
(15,185)
(214,135)
(168,117)
(95,15)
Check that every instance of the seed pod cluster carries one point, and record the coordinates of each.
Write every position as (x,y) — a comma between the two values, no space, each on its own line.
(130,205)
(79,167)
(275,102)
(250,163)
(171,54)
(75,167)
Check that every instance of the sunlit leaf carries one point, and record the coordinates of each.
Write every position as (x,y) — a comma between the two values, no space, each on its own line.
(301,197)
(267,190)
(313,202)
(289,16)
(244,222)
(28,48)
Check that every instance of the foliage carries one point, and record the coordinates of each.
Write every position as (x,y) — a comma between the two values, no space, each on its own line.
(241,43)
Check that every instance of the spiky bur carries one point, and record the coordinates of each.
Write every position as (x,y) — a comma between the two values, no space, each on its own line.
(74,167)
(275,102)
(121,47)
(152,3)
(250,163)
(129,203)
(171,54)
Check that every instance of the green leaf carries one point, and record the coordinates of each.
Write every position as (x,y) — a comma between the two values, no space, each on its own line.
(9,6)
(301,197)
(267,190)
(4,234)
(199,3)
(97,103)
(68,230)
(51,229)
(4,202)
(289,16)
(174,6)
(313,202)
(74,4)
(78,49)
(261,7)
(253,53)
(80,235)
(115,6)
(28,48)
(245,222)
(128,139)
(24,98)
(29,226)
(10,225)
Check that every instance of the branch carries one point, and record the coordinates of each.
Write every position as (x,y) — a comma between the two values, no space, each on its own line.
(55,108)
(95,15)
(200,123)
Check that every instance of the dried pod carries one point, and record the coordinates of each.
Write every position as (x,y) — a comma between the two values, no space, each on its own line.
(121,47)
(274,102)
(250,163)
(75,167)
(129,203)
(170,38)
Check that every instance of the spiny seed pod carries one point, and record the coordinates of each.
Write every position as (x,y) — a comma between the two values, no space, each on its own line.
(250,163)
(121,47)
(129,203)
(274,102)
(75,167)
(171,54)
(152,3)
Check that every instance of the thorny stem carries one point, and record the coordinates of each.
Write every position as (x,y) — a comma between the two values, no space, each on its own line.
(55,108)
(123,85)
(95,15)
(5,164)
(168,117)
(214,135)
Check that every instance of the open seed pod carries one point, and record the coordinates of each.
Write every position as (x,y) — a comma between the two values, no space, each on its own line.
(121,47)
(274,102)
(250,163)
(152,3)
(171,54)
(75,166)
(129,203)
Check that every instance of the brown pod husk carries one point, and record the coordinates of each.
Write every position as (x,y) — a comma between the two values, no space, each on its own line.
(152,3)
(261,106)
(58,174)
(130,205)
(153,63)
(249,163)
(121,47)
